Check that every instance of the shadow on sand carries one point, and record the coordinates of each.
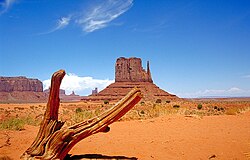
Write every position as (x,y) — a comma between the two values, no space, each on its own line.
(97,156)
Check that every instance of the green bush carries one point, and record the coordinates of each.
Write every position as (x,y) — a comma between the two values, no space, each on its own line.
(142,112)
(158,101)
(12,124)
(18,123)
(78,110)
(176,106)
(167,101)
(106,101)
(199,106)
(83,115)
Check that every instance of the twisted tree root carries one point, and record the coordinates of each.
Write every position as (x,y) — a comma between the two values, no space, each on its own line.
(54,142)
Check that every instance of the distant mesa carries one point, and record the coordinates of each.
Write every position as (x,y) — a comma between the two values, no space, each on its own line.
(10,84)
(61,92)
(21,89)
(129,73)
(70,97)
(64,97)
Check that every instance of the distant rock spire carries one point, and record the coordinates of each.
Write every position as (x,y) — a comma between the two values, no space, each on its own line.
(95,91)
(149,73)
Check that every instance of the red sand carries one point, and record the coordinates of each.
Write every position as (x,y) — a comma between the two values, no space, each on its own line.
(169,137)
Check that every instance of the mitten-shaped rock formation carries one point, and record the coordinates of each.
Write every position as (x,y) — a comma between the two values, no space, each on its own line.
(129,74)
(130,70)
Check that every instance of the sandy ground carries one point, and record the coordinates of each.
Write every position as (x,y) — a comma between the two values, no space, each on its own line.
(170,137)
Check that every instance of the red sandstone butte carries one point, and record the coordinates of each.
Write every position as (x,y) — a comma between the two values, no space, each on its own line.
(129,73)
(21,89)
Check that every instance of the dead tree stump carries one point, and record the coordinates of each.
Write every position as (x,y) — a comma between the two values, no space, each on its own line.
(54,141)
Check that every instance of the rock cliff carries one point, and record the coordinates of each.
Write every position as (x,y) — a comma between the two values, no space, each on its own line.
(130,70)
(129,74)
(10,84)
(64,97)
(21,89)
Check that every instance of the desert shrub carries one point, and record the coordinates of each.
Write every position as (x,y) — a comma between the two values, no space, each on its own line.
(155,111)
(167,101)
(199,106)
(231,111)
(83,115)
(65,112)
(32,121)
(142,112)
(12,124)
(97,111)
(158,101)
(142,102)
(78,110)
(106,101)
(176,106)
(215,107)
(18,123)
(32,107)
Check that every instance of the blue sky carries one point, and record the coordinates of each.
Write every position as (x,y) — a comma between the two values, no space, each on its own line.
(195,47)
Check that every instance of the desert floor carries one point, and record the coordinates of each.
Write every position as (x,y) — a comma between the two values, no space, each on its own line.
(166,137)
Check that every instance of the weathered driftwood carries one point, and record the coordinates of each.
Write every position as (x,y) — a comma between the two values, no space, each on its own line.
(54,142)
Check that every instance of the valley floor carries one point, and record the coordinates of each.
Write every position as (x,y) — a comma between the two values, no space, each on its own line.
(167,137)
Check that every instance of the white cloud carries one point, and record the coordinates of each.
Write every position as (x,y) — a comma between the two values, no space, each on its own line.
(99,16)
(64,21)
(96,17)
(231,92)
(61,23)
(5,5)
(81,85)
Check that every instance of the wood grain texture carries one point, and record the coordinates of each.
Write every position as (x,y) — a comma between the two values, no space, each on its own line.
(54,142)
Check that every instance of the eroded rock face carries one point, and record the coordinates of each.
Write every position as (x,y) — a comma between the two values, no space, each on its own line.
(21,89)
(129,74)
(118,90)
(64,97)
(11,84)
(130,70)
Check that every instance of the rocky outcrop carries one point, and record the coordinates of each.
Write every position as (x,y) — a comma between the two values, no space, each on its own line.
(130,70)
(117,90)
(21,89)
(95,91)
(61,92)
(10,84)
(129,74)
(64,97)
